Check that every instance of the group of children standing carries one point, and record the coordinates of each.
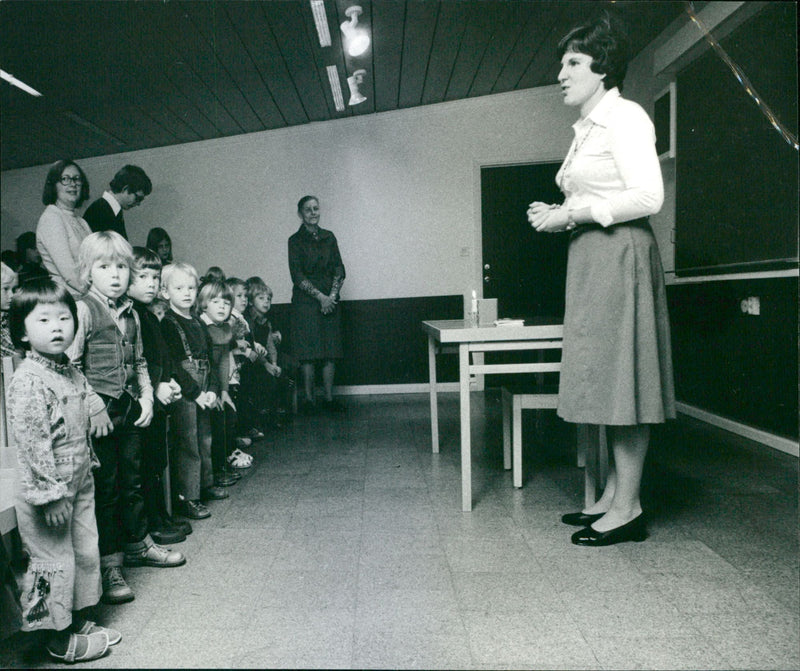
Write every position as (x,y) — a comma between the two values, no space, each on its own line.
(108,394)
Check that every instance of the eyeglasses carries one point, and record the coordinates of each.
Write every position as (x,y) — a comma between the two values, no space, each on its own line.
(66,180)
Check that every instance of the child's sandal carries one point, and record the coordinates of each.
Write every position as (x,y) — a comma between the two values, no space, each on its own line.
(90,627)
(96,647)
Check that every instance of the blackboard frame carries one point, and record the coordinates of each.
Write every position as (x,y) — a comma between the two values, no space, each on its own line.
(736,204)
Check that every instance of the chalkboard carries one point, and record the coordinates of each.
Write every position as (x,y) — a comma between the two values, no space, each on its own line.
(736,177)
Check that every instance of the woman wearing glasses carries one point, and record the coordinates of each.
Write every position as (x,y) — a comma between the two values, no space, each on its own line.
(60,230)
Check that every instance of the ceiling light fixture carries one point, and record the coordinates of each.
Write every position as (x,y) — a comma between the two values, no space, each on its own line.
(11,79)
(353,81)
(356,39)
(321,22)
(336,88)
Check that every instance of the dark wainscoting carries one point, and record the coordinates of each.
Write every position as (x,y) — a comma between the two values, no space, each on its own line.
(736,365)
(383,340)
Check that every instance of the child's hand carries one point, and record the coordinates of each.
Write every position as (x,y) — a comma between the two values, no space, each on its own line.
(100,424)
(260,349)
(147,413)
(225,397)
(177,394)
(164,393)
(272,369)
(277,337)
(202,400)
(57,513)
(211,398)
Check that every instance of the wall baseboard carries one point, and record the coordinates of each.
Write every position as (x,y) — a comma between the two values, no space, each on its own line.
(770,439)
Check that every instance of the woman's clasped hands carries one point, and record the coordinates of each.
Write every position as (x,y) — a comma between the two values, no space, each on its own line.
(548,218)
(327,304)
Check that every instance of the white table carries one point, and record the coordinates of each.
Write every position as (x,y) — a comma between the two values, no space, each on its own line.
(470,340)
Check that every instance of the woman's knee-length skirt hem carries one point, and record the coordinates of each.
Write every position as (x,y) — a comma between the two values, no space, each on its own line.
(617,360)
(315,335)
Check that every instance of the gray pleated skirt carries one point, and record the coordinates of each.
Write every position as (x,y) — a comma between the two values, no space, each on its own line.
(617,358)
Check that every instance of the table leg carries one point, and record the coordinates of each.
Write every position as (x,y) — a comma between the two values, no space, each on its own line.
(466,452)
(434,398)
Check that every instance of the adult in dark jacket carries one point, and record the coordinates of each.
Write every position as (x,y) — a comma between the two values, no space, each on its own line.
(128,189)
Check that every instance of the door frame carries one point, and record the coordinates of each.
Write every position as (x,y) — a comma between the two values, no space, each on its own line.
(477,383)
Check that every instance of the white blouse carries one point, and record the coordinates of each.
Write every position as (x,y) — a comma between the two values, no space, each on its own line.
(612,166)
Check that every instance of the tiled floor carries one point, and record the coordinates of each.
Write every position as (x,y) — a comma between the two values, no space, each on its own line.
(345,547)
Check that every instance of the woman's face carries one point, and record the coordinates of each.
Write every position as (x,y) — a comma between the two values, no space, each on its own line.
(309,213)
(579,84)
(68,194)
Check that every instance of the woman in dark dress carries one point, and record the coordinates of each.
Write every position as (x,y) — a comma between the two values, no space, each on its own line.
(317,276)
(616,363)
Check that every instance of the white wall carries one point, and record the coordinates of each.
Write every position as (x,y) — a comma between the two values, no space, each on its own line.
(399,189)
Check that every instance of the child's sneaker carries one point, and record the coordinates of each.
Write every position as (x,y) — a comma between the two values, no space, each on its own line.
(115,589)
(154,555)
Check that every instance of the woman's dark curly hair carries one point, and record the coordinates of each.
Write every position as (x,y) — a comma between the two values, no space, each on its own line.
(49,194)
(605,40)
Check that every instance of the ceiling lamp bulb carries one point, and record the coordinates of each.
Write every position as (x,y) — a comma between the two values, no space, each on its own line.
(353,81)
(356,39)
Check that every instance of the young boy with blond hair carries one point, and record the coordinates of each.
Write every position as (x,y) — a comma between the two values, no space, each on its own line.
(108,349)
(189,347)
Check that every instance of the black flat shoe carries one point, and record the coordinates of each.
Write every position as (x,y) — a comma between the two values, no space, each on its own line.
(580,519)
(635,530)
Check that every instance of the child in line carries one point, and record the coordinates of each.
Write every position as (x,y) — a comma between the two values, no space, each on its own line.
(52,410)
(214,305)
(213,274)
(189,347)
(8,286)
(108,348)
(276,385)
(29,259)
(158,241)
(144,286)
(247,351)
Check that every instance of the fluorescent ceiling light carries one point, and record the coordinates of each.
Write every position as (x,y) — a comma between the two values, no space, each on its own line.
(321,22)
(11,79)
(336,87)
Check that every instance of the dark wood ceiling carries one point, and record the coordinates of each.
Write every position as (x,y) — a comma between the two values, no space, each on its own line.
(121,76)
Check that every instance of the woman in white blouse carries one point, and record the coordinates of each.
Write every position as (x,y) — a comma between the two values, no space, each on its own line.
(60,230)
(616,362)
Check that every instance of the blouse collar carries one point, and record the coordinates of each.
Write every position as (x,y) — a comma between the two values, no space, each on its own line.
(60,368)
(602,110)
